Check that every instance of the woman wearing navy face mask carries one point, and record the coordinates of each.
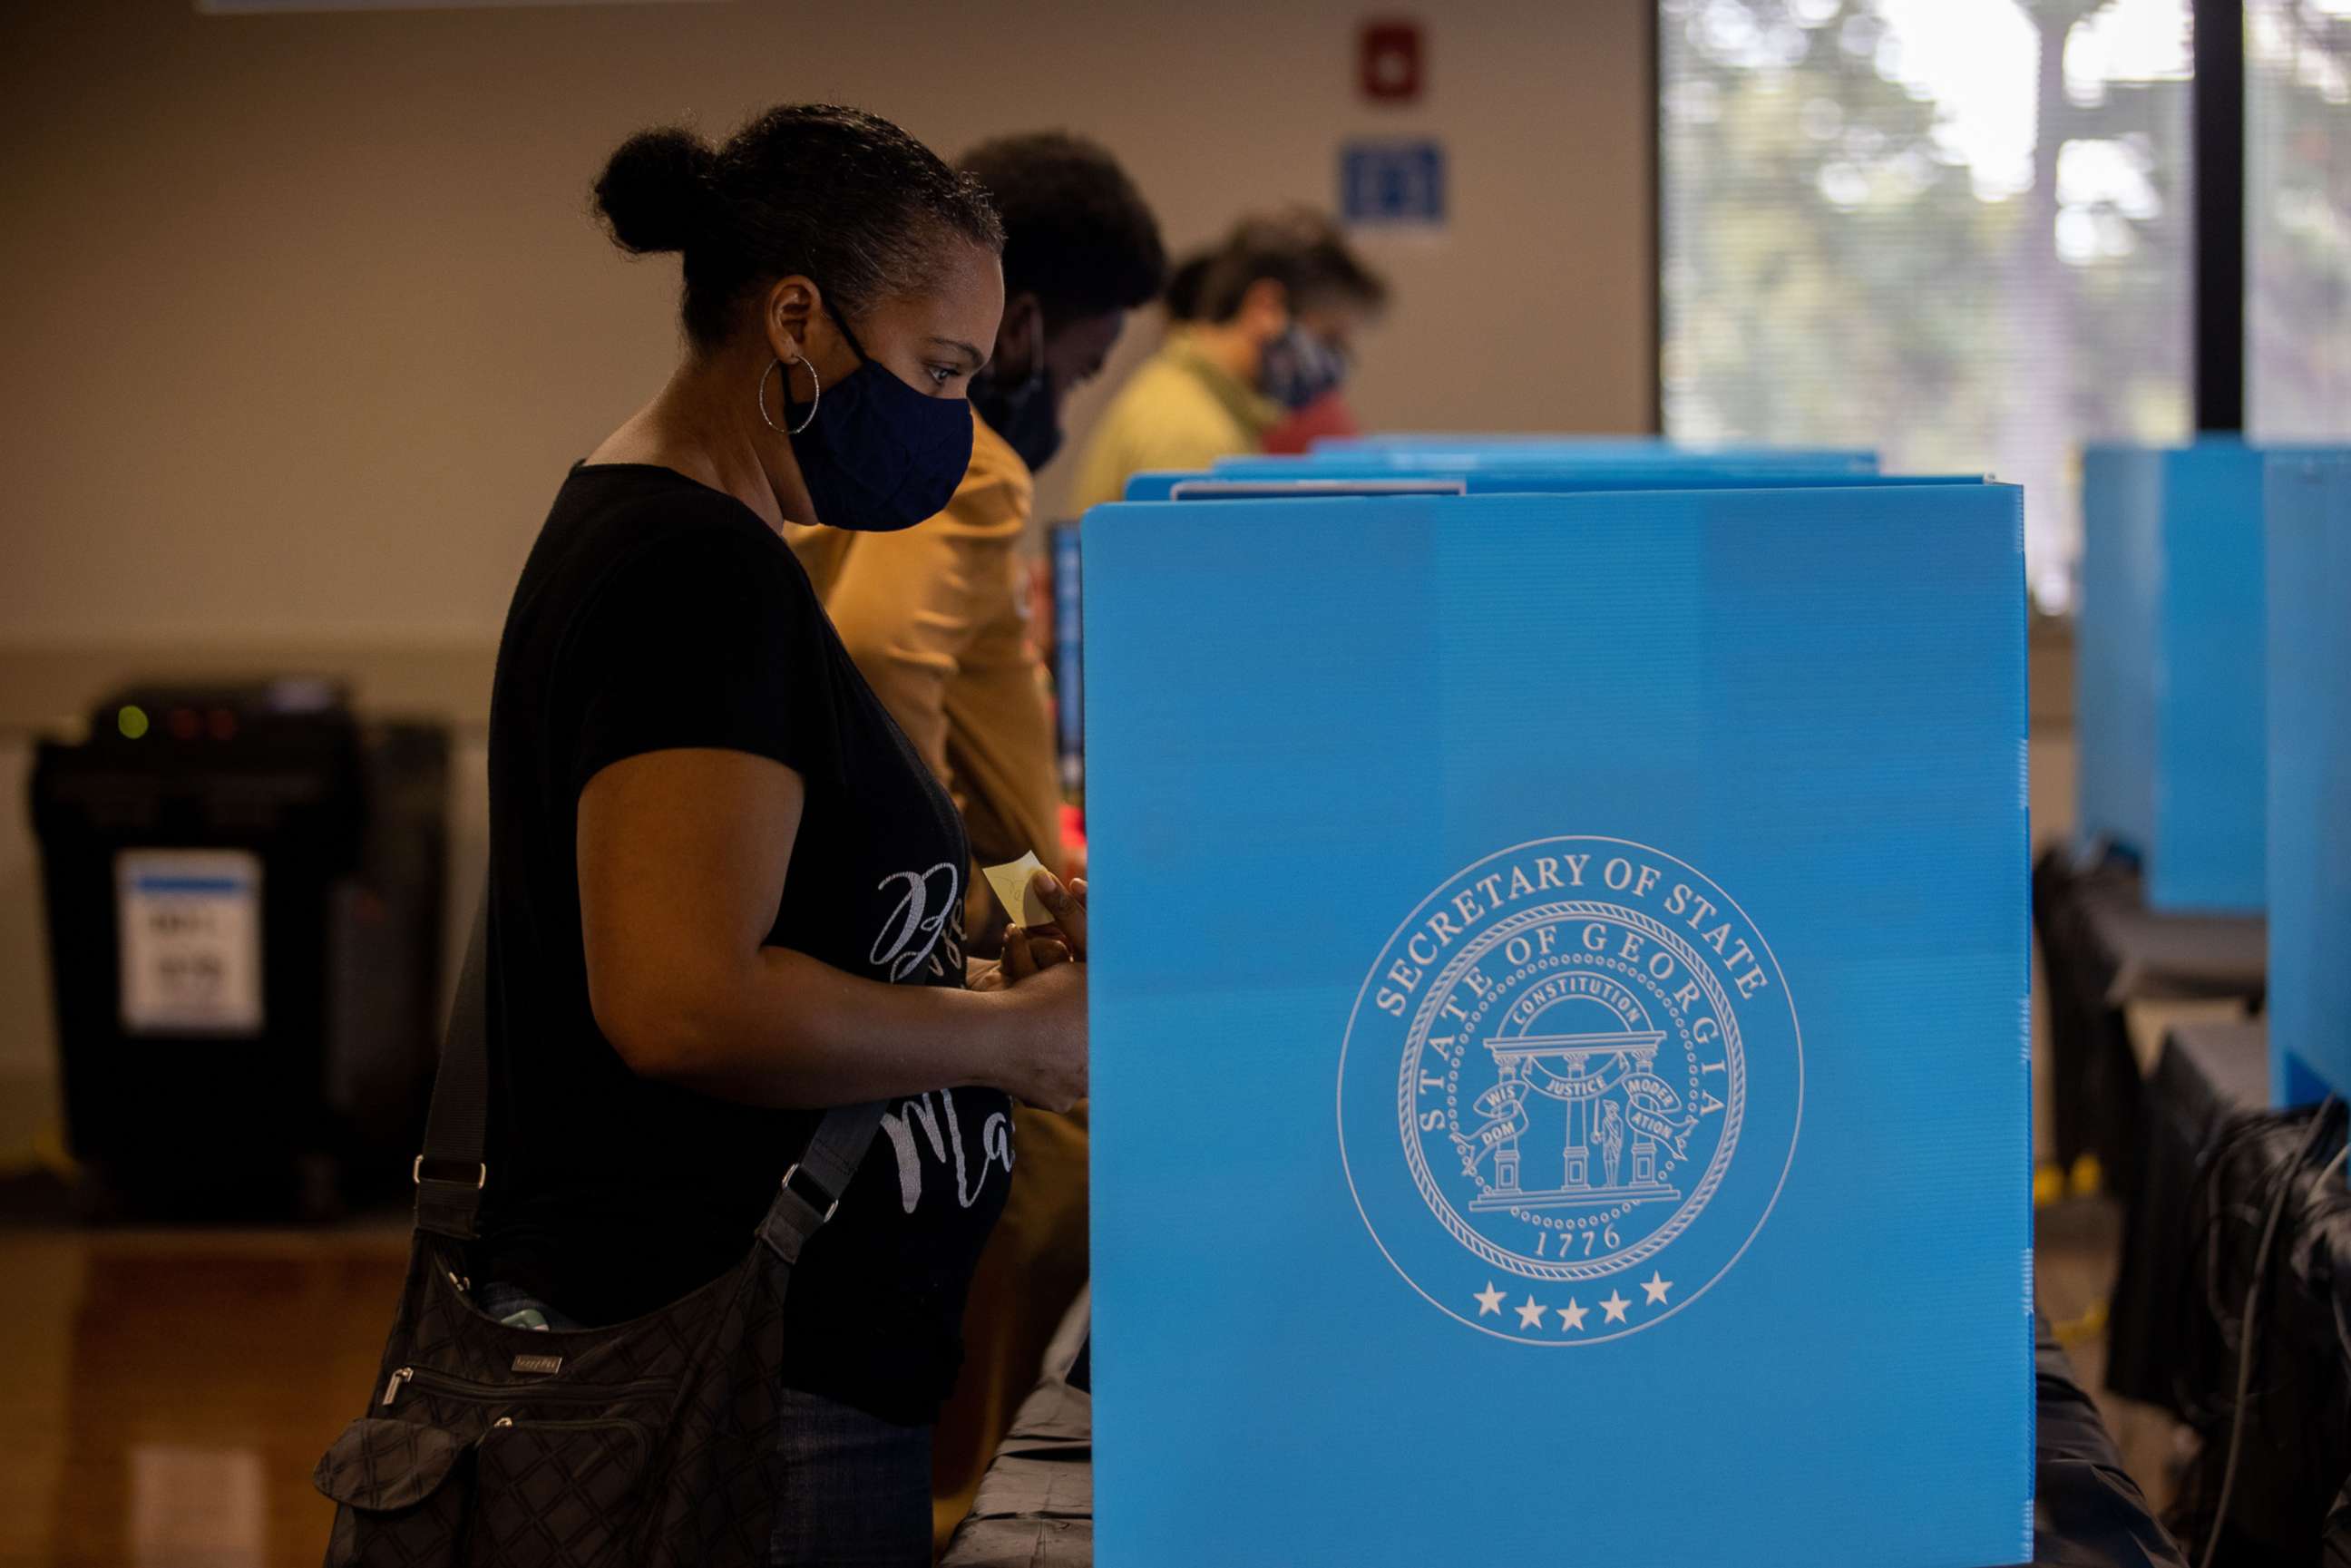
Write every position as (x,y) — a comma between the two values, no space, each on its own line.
(726,894)
(937,619)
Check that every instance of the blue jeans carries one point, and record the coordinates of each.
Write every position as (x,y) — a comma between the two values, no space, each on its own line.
(857,1490)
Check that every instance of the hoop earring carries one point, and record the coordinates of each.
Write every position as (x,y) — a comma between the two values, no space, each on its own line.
(816,395)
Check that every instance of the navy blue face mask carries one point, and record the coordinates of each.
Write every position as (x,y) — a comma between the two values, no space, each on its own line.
(1299,366)
(876,454)
(1026,416)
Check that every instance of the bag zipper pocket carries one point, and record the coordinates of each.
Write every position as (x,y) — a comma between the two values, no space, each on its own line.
(467,1389)
(643,1433)
(602,1462)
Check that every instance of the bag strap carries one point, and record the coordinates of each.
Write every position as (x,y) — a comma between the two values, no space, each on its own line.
(456,1128)
(811,1189)
(451,1172)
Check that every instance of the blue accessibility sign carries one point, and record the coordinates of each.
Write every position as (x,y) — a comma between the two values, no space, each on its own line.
(1391,183)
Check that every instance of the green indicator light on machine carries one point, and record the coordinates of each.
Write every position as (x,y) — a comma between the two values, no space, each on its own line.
(132,721)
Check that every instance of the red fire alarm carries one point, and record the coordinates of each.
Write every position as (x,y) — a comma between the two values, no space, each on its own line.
(1389,61)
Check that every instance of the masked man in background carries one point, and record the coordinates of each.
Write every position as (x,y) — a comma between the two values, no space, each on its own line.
(1271,334)
(935,617)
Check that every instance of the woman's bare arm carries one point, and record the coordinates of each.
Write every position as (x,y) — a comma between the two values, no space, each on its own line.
(682,856)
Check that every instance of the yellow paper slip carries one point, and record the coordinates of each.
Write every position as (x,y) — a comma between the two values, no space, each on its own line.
(1014,889)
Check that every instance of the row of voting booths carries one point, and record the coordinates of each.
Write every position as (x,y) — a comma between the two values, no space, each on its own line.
(2215,660)
(1561,1050)
(2213,866)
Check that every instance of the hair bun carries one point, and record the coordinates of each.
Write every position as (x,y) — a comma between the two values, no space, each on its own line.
(655,192)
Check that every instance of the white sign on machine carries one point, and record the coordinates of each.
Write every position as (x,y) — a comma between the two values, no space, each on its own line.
(188,923)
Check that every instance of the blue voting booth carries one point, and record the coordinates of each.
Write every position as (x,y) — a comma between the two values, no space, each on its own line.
(1476,452)
(1643,448)
(1526,466)
(1515,479)
(1560,1035)
(2309,669)
(2169,668)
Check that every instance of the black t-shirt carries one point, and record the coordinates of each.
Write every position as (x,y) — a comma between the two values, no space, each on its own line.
(656,613)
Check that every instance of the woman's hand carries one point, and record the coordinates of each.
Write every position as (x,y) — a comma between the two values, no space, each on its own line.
(1041,982)
(1068,906)
(1043,973)
(1046,1067)
(1024,954)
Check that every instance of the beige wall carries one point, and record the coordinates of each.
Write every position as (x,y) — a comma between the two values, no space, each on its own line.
(304,316)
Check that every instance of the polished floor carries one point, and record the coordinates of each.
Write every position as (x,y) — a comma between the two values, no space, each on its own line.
(163,1394)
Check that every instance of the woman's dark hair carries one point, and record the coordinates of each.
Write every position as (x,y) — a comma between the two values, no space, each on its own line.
(841,196)
(1077,234)
(1183,296)
(1300,249)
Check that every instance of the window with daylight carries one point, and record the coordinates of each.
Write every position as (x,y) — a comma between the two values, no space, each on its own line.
(1959,230)
(2298,219)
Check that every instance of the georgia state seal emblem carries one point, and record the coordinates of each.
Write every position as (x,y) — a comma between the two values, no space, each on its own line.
(1570,1090)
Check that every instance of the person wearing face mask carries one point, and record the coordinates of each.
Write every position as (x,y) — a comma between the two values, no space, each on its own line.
(726,894)
(935,617)
(1321,413)
(1298,429)
(1277,312)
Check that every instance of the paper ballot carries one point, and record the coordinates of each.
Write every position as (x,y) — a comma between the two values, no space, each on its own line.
(1015,886)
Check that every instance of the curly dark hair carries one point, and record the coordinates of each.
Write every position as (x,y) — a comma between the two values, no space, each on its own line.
(1300,249)
(1077,234)
(839,196)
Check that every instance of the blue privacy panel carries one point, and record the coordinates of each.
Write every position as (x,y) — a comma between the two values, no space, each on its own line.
(1521,454)
(1518,479)
(2212,735)
(2115,644)
(2309,545)
(2171,668)
(1560,1030)
(1641,447)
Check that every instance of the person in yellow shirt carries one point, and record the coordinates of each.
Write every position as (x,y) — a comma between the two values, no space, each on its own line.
(1274,320)
(936,618)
